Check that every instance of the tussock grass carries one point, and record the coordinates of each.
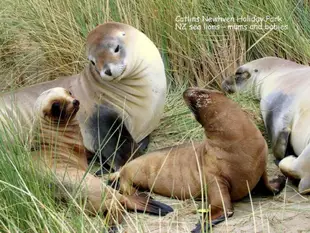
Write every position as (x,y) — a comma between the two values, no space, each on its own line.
(32,200)
(42,40)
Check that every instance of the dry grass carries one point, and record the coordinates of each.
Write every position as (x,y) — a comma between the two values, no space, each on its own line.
(42,39)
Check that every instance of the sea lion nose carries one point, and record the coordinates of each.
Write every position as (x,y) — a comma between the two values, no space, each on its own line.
(108,72)
(226,86)
(76,103)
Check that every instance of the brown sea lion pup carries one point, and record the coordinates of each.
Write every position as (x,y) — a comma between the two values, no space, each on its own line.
(230,162)
(125,74)
(59,147)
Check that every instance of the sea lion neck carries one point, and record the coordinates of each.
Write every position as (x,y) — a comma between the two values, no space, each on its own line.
(222,120)
(51,134)
(127,95)
(60,124)
(118,89)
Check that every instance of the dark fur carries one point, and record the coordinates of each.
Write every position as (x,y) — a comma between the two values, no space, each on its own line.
(112,141)
(276,102)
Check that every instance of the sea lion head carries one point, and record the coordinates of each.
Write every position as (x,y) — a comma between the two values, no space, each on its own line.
(201,102)
(106,50)
(246,76)
(57,105)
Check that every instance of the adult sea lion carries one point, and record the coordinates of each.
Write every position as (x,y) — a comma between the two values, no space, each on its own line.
(59,148)
(283,88)
(230,162)
(126,73)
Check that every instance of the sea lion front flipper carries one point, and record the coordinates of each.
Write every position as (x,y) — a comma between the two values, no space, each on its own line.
(111,139)
(281,144)
(219,199)
(144,143)
(288,167)
(143,203)
(304,185)
(298,168)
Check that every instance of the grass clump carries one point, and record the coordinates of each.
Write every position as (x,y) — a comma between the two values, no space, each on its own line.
(29,196)
(42,39)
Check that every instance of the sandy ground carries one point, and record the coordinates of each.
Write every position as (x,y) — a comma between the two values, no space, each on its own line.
(287,212)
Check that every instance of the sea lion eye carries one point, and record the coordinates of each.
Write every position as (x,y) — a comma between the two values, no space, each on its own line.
(116,49)
(55,110)
(256,70)
(92,62)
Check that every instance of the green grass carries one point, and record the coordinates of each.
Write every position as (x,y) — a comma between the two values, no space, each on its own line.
(41,40)
(29,200)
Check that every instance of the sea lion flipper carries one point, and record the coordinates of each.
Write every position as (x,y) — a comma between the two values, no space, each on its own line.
(220,202)
(111,139)
(304,185)
(268,187)
(288,167)
(112,229)
(199,229)
(146,204)
(144,143)
(281,144)
(206,225)
(298,168)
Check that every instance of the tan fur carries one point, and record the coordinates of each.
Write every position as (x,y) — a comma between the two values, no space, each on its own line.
(232,157)
(136,90)
(59,148)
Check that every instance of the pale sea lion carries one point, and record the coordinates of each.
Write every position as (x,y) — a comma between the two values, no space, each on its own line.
(230,160)
(283,88)
(126,73)
(58,145)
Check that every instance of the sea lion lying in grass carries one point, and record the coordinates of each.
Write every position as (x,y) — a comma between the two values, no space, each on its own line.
(58,145)
(230,162)
(283,88)
(126,73)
